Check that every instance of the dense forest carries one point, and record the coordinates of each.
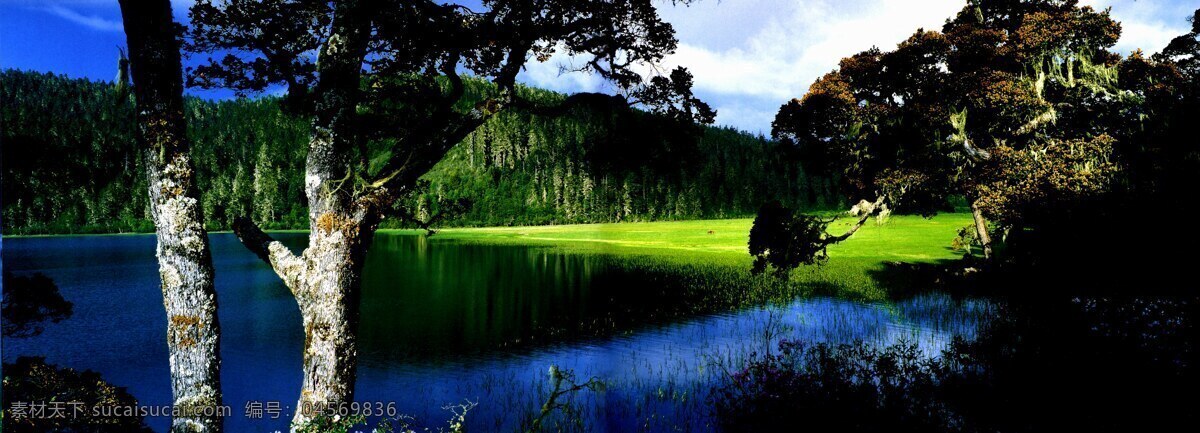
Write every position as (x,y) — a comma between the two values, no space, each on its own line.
(71,165)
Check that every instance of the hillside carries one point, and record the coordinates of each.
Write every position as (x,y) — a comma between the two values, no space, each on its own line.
(70,165)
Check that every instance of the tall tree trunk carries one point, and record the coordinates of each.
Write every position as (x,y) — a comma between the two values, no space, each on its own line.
(326,278)
(981,231)
(339,231)
(184,259)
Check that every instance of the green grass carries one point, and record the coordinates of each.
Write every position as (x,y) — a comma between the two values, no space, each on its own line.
(688,249)
(902,238)
(723,244)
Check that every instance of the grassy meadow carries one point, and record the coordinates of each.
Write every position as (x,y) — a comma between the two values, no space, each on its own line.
(720,246)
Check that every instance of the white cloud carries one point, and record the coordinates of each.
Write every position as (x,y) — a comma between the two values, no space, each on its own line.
(555,74)
(752,115)
(749,56)
(1149,26)
(1150,38)
(91,21)
(762,53)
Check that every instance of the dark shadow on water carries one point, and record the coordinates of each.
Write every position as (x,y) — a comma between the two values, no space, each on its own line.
(1056,357)
(474,298)
(1082,364)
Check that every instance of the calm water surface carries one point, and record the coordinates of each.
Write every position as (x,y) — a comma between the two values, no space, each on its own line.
(446,323)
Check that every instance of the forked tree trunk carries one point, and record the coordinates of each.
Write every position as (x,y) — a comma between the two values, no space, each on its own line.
(184,260)
(981,231)
(326,279)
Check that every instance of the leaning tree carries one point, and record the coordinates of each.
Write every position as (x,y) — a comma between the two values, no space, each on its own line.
(383,85)
(1010,106)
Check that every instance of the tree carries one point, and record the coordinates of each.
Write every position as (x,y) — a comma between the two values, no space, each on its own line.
(1010,107)
(1035,99)
(873,125)
(381,83)
(184,259)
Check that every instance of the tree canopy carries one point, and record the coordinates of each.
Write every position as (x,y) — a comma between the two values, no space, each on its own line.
(410,57)
(1019,107)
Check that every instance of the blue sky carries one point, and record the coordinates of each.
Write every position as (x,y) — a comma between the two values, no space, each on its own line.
(748,56)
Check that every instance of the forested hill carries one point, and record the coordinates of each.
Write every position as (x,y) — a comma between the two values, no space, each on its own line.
(70,165)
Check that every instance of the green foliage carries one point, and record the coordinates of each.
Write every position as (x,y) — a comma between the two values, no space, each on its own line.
(783,240)
(967,239)
(72,165)
(596,166)
(70,159)
(31,380)
(249,159)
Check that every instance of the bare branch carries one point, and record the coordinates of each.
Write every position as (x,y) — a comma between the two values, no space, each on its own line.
(286,264)
(862,220)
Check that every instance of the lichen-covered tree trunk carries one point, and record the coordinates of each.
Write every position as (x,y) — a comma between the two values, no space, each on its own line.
(184,259)
(326,281)
(327,290)
(339,230)
(981,231)
(326,277)
(328,295)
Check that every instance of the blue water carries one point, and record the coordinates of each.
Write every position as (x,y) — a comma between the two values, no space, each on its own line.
(446,323)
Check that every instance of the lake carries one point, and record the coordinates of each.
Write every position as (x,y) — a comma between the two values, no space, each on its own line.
(445,323)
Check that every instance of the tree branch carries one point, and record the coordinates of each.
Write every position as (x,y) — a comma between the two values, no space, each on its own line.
(861,222)
(286,264)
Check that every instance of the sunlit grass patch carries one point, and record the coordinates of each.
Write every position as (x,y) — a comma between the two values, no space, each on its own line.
(717,249)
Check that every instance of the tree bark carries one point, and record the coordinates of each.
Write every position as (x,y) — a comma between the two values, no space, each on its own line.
(326,282)
(184,259)
(981,231)
(326,278)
